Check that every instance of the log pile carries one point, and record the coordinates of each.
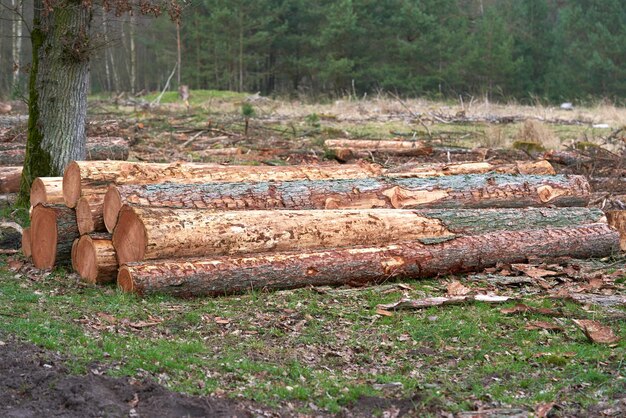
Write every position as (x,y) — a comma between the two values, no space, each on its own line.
(204,229)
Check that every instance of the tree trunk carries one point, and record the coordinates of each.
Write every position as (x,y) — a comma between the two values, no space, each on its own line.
(150,233)
(617,219)
(227,275)
(349,148)
(95,174)
(17,40)
(477,191)
(441,169)
(26,243)
(89,214)
(133,54)
(53,229)
(93,258)
(10,179)
(59,83)
(47,190)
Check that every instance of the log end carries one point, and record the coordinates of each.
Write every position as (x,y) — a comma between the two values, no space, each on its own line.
(43,235)
(38,192)
(111,208)
(84,259)
(71,184)
(617,220)
(84,217)
(125,280)
(26,242)
(130,237)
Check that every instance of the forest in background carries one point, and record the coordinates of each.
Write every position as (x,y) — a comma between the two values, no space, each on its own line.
(527,50)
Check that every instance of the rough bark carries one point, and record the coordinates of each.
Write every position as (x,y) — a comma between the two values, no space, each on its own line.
(150,233)
(26,242)
(94,174)
(227,275)
(89,214)
(569,158)
(475,191)
(617,219)
(47,190)
(53,229)
(10,179)
(542,167)
(350,148)
(93,258)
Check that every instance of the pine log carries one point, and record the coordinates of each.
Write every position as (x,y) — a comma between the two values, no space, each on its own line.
(98,148)
(53,229)
(568,158)
(94,258)
(26,243)
(228,275)
(471,191)
(47,190)
(153,233)
(89,214)
(82,175)
(542,167)
(349,148)
(10,178)
(617,219)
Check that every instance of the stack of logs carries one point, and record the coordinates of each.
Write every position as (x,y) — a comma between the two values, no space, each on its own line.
(203,229)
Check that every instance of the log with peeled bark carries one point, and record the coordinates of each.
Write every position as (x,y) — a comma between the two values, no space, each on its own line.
(93,258)
(26,242)
(83,175)
(617,219)
(10,178)
(47,190)
(98,148)
(354,266)
(89,214)
(153,233)
(53,229)
(345,149)
(471,191)
(542,167)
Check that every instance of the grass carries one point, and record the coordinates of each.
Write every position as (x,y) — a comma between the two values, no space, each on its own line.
(307,347)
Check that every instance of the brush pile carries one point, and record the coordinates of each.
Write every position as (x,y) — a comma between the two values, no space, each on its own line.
(206,229)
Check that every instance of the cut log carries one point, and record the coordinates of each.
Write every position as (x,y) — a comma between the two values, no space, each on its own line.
(53,229)
(47,190)
(81,175)
(10,237)
(26,242)
(617,219)
(345,149)
(94,258)
(228,275)
(472,191)
(542,167)
(98,148)
(153,233)
(10,178)
(89,214)
(569,158)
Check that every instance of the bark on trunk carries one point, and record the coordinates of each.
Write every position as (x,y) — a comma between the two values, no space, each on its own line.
(10,179)
(26,243)
(476,191)
(617,219)
(350,148)
(82,174)
(227,275)
(47,190)
(94,260)
(435,170)
(149,233)
(53,229)
(89,214)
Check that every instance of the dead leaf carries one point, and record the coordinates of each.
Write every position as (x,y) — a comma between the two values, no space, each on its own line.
(144,324)
(383,312)
(107,317)
(456,288)
(521,308)
(220,320)
(135,401)
(15,265)
(548,326)
(534,272)
(543,409)
(596,332)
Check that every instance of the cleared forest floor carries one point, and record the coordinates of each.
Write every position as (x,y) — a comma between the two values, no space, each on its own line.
(328,351)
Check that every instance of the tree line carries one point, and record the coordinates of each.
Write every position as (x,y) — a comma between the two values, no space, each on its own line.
(556,50)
